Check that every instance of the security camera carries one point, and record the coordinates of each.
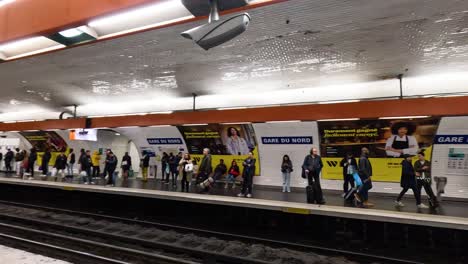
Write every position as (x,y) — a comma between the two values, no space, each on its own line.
(217,31)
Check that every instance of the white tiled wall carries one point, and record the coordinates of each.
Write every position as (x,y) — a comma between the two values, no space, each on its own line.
(457,185)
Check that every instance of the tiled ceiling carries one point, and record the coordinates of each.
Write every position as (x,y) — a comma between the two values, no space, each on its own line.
(293,44)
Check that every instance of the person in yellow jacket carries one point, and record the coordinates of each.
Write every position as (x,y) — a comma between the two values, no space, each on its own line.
(95,159)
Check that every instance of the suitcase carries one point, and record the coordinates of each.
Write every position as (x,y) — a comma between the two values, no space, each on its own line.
(310,192)
(349,196)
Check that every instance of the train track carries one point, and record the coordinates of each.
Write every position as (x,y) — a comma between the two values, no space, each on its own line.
(136,241)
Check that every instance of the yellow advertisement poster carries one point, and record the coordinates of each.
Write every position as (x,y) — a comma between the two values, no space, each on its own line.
(227,142)
(387,140)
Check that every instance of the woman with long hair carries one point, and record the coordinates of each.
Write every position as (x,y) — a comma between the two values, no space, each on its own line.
(286,169)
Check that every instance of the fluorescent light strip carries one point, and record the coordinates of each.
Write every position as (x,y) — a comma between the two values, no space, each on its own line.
(161,126)
(340,102)
(9,122)
(144,27)
(339,119)
(6,2)
(195,125)
(232,108)
(128,127)
(24,121)
(237,123)
(101,128)
(59,46)
(285,121)
(162,113)
(402,117)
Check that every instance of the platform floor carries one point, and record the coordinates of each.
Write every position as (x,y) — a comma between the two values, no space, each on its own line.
(382,202)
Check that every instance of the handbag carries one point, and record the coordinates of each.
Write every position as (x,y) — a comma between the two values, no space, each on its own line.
(130,173)
(188,167)
(357,179)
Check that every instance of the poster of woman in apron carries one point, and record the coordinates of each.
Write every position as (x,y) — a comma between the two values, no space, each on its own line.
(402,142)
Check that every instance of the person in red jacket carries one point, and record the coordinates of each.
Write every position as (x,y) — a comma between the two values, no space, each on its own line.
(233,172)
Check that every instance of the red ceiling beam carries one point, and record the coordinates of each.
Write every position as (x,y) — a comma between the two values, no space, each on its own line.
(450,106)
(24,18)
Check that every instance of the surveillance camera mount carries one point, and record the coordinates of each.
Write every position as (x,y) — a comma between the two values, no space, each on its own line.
(204,7)
(214,12)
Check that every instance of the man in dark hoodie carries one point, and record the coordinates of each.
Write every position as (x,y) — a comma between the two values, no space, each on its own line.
(32,159)
(111,165)
(8,158)
(45,162)
(86,164)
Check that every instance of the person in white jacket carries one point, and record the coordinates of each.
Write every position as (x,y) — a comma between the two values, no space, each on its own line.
(235,144)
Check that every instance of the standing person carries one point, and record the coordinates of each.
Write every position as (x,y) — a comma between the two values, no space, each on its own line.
(349,165)
(70,162)
(365,173)
(96,162)
(173,163)
(232,175)
(45,162)
(286,169)
(424,179)
(164,165)
(80,158)
(61,164)
(31,161)
(111,164)
(402,142)
(408,181)
(205,168)
(8,159)
(145,165)
(86,164)
(1,158)
(235,144)
(19,156)
(312,167)
(186,167)
(247,174)
(24,165)
(126,164)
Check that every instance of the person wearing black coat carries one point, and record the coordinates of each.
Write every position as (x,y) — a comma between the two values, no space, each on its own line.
(126,165)
(111,165)
(8,158)
(45,162)
(61,164)
(286,169)
(32,159)
(71,159)
(86,164)
(247,175)
(408,181)
(312,167)
(349,165)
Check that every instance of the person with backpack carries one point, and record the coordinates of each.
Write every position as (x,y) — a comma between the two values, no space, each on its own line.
(45,162)
(408,181)
(186,167)
(286,169)
(60,165)
(365,174)
(111,165)
(70,162)
(19,156)
(233,172)
(312,168)
(86,164)
(9,156)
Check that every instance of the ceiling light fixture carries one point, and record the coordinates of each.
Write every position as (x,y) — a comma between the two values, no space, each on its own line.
(402,117)
(161,126)
(162,113)
(339,119)
(74,36)
(339,102)
(28,47)
(232,108)
(285,121)
(195,125)
(6,2)
(237,123)
(71,33)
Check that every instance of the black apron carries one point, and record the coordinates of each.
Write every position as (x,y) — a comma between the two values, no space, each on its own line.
(400,144)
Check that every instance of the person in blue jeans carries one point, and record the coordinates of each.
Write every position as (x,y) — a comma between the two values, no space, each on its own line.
(365,173)
(233,172)
(286,169)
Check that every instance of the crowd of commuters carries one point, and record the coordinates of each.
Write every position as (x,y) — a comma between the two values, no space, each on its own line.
(357,175)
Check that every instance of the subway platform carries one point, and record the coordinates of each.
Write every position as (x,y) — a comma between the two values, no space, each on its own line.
(450,213)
